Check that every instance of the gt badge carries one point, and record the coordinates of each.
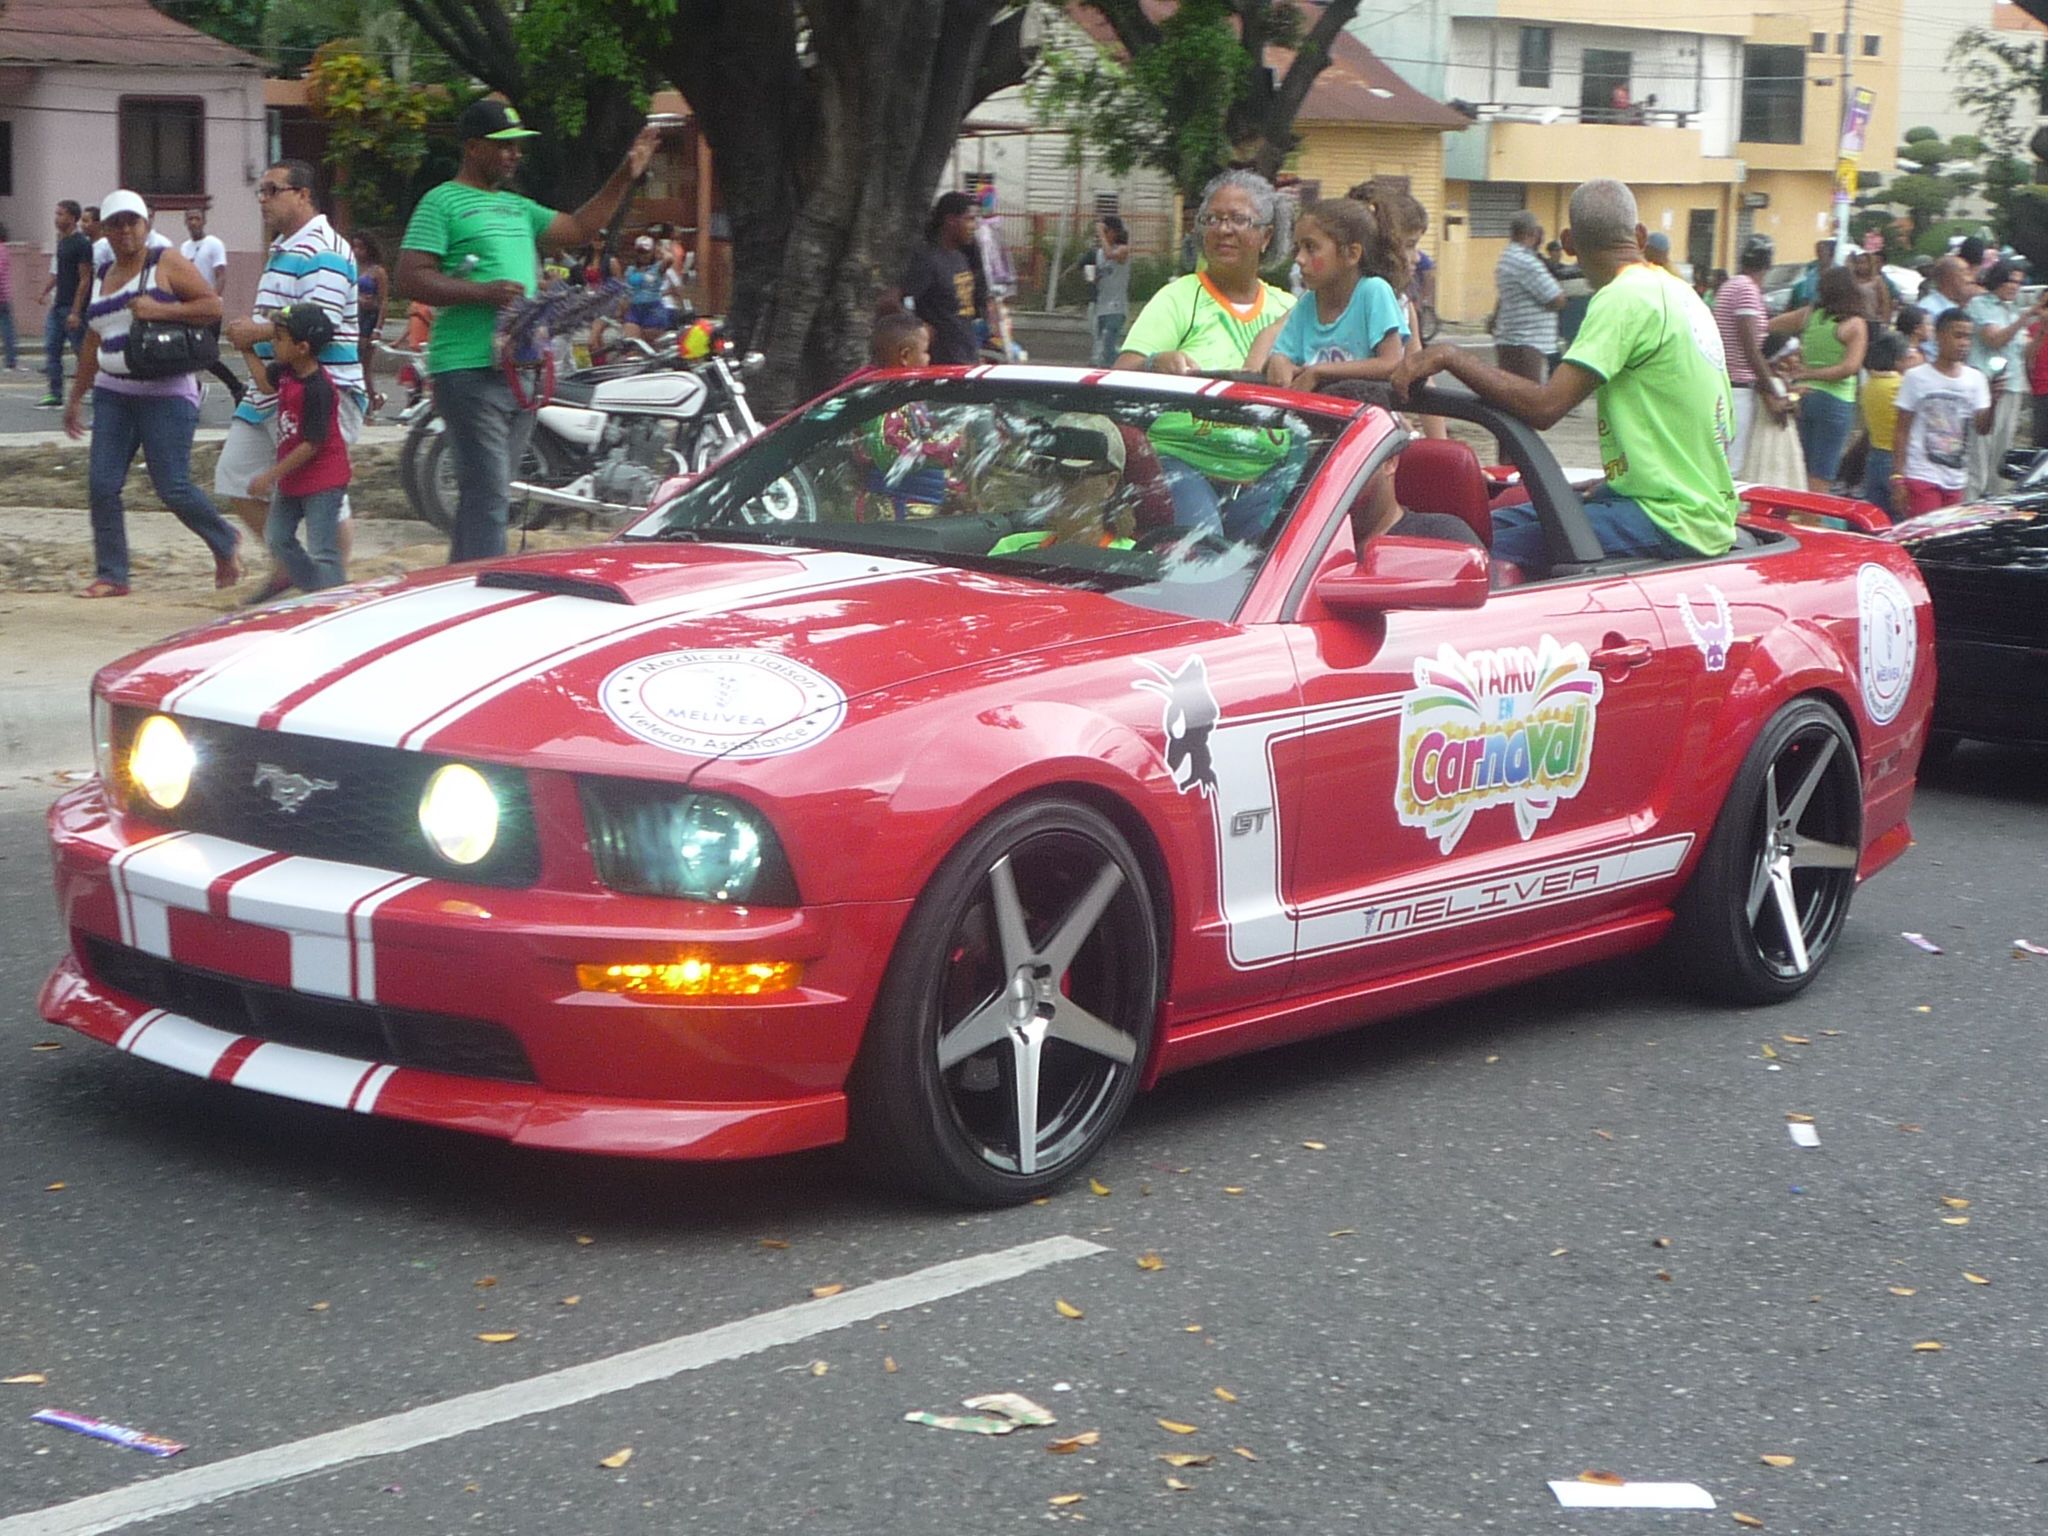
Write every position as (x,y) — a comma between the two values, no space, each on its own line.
(1712,640)
(1506,727)
(289,791)
(1189,716)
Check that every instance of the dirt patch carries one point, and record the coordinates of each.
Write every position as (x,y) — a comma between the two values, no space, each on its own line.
(53,475)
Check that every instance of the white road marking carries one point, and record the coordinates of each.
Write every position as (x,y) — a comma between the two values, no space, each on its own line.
(168,1495)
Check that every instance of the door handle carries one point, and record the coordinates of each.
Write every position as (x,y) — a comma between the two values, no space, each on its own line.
(1623,656)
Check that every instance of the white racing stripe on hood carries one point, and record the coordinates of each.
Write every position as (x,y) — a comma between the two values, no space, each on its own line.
(404,698)
(258,678)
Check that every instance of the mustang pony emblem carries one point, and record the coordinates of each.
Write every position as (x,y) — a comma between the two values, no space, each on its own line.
(1712,639)
(289,790)
(1189,716)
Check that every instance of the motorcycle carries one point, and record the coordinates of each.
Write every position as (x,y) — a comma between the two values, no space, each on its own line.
(603,442)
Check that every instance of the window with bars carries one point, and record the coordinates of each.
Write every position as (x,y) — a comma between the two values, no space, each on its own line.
(163,145)
(1773,95)
(1489,205)
(1533,69)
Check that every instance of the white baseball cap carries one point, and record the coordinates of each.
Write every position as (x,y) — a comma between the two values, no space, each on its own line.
(121,202)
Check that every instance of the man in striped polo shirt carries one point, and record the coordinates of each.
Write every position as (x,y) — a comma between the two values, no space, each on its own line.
(310,263)
(1525,324)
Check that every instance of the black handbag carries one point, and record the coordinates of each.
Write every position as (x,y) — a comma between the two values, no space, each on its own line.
(162,349)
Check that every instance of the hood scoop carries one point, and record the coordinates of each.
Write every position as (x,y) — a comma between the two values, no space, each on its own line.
(554,585)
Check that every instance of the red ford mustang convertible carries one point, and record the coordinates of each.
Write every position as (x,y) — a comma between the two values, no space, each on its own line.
(947,764)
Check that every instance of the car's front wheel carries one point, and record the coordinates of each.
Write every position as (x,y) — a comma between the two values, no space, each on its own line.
(1772,890)
(1017,1014)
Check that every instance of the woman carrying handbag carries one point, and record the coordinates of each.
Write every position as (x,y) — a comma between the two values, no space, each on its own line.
(160,292)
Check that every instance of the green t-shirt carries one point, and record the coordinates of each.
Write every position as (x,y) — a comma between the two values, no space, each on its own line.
(1187,316)
(1665,409)
(454,222)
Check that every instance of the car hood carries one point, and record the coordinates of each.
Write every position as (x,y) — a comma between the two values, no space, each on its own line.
(641,659)
(2010,533)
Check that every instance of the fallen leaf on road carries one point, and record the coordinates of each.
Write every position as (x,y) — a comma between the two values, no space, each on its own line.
(1904,1127)
(1558,1253)
(1062,1500)
(1068,1310)
(1975,1279)
(1315,1146)
(584,1242)
(1604,1479)
(486,1282)
(774,1242)
(47,1045)
(1233,1189)
(53,1188)
(1955,1221)
(25,1379)
(1748,1520)
(1188,1459)
(1066,1445)
(819,1367)
(1491,1060)
(1660,1242)
(1345,1232)
(1097,1187)
(1192,1328)
(617,1458)
(1151,1261)
(320,1306)
(1769,1054)
(1954,1204)
(1902,1290)
(1927,1347)
(1238,1450)
(1664,1274)
(570,1301)
(820,1292)
(889,1364)
(1178,1486)
(1797,1118)
(1605,1135)
(1795,1039)
(496,1338)
(1779,1461)
(1175,1427)
(1225,1394)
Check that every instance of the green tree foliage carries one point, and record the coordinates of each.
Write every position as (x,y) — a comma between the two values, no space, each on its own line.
(238,23)
(1941,171)
(376,130)
(1999,80)
(1190,95)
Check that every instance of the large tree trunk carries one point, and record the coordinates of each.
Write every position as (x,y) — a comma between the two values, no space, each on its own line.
(829,162)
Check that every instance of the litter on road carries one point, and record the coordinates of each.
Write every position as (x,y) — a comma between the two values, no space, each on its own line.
(1921,941)
(996,1413)
(114,1434)
(2030,947)
(1803,1135)
(1576,1494)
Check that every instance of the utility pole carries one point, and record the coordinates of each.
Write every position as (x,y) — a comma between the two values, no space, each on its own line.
(1848,100)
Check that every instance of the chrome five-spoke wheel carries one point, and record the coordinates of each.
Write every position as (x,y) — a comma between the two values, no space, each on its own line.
(1018,1011)
(1772,890)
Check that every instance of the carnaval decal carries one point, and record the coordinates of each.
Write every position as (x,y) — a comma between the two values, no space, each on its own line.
(1505,727)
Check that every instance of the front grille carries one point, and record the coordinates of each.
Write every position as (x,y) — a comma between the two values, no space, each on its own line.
(403,1037)
(370,815)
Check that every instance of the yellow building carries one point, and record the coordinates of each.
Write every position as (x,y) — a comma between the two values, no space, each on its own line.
(1724,120)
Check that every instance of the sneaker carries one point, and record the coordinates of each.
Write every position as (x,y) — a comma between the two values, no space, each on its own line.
(50,403)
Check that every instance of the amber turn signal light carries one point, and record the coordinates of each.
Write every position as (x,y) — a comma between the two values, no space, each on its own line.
(693,976)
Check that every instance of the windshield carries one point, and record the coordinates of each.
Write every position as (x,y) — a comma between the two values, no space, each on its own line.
(1167,500)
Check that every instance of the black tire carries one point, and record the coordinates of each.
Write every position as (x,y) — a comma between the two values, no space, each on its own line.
(1069,996)
(1763,910)
(536,467)
(420,443)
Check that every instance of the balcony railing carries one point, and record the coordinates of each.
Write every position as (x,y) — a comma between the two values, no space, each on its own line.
(1645,115)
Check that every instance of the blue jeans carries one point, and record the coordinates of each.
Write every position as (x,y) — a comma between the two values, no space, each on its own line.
(1824,422)
(1109,330)
(161,426)
(487,433)
(1877,479)
(55,331)
(317,562)
(1622,526)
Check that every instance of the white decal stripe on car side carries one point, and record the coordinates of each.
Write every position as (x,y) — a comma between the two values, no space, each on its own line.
(820,573)
(312,900)
(360,933)
(240,689)
(313,1077)
(1404,912)
(371,1086)
(182,1044)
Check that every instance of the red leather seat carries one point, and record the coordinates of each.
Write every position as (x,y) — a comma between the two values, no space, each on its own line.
(1438,474)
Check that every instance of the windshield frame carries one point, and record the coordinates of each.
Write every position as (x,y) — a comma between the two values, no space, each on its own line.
(746,473)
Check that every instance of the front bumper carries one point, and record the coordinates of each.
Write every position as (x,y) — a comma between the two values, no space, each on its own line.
(329,983)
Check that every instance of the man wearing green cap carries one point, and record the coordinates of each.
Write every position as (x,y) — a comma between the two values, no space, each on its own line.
(470,250)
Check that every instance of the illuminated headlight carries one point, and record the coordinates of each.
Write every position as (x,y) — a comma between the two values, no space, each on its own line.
(459,814)
(160,762)
(656,840)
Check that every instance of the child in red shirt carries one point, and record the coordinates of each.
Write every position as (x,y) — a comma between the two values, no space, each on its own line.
(311,475)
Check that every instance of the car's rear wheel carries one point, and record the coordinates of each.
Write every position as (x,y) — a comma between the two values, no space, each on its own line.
(1772,890)
(1017,1014)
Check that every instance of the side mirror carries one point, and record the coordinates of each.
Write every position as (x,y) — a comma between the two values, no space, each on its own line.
(1400,573)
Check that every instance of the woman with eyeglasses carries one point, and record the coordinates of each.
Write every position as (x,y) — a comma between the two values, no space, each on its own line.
(1206,322)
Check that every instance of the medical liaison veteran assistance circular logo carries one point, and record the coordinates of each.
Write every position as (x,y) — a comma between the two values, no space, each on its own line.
(1886,640)
(724,703)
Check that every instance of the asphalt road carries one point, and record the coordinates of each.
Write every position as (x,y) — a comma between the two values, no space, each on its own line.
(21,389)
(1452,1299)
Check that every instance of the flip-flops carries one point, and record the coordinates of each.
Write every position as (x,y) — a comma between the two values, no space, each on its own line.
(102,588)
